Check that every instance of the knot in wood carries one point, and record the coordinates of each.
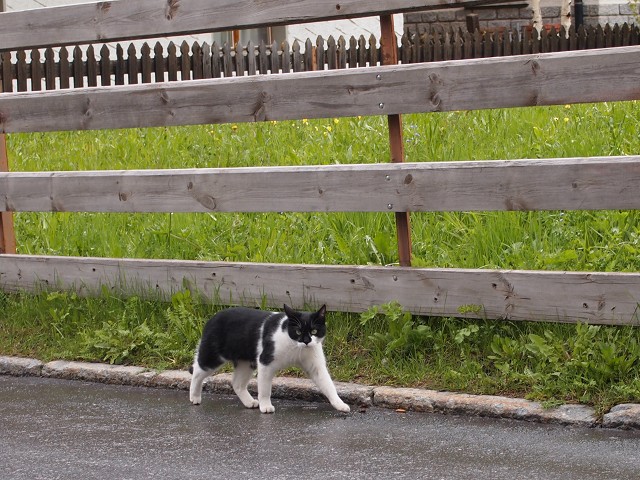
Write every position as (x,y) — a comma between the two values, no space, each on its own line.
(103,7)
(172,9)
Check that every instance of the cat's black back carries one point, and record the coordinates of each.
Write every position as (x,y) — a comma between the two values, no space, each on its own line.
(234,335)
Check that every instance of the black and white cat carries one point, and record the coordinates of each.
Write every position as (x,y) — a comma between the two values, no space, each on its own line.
(268,341)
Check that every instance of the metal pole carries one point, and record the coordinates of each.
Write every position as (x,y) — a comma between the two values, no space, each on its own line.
(389,47)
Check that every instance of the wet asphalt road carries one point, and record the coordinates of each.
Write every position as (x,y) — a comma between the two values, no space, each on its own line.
(52,429)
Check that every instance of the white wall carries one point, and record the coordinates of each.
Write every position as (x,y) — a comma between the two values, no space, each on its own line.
(346,28)
(29,4)
(357,26)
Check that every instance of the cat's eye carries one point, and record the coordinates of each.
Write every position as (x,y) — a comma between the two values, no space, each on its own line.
(314,332)
(298,332)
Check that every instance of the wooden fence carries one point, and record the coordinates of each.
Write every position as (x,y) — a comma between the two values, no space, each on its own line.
(79,67)
(390,89)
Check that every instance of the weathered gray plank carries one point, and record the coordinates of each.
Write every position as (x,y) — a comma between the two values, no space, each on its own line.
(126,19)
(607,298)
(542,79)
(555,184)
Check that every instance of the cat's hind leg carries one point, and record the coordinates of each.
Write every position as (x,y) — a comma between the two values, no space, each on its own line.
(205,362)
(241,375)
(200,371)
(198,375)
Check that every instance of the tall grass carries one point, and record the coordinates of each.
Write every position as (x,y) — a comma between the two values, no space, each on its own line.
(547,240)
(485,357)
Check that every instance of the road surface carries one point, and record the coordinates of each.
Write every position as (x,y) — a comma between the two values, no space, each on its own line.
(52,429)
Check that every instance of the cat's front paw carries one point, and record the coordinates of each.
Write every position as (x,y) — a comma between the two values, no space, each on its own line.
(252,404)
(267,408)
(195,400)
(342,407)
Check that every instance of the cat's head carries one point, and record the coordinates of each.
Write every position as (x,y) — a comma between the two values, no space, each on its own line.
(306,327)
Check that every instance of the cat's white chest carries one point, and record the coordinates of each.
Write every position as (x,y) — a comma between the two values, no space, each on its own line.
(288,352)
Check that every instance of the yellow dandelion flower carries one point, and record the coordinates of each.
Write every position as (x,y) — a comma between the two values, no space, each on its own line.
(234,127)
(566,120)
(567,106)
(305,121)
(336,121)
(328,127)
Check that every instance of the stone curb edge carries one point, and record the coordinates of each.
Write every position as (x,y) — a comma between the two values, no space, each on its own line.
(624,416)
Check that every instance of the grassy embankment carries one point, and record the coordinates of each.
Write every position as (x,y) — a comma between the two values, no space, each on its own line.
(550,362)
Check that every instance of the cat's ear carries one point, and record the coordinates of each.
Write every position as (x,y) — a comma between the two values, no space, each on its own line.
(320,314)
(289,311)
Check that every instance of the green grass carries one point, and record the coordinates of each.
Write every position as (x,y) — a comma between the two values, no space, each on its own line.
(549,362)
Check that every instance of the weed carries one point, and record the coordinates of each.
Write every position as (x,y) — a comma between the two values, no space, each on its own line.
(119,339)
(470,309)
(400,335)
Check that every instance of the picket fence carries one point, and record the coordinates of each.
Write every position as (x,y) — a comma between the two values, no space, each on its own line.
(82,66)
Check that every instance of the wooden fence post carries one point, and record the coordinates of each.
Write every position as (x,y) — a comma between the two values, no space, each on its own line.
(7,235)
(389,47)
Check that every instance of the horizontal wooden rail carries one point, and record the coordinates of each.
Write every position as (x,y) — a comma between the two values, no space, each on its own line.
(125,19)
(597,183)
(605,298)
(528,80)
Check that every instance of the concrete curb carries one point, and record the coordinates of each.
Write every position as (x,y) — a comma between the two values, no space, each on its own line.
(626,416)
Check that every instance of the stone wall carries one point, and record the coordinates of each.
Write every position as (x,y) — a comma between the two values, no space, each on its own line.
(603,12)
(516,16)
(489,19)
